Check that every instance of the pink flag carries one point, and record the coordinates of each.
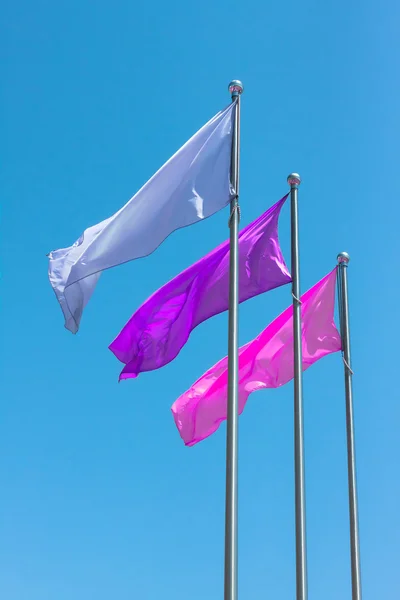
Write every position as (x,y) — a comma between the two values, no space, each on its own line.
(266,362)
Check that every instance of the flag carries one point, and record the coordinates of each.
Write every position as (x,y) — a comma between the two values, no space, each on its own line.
(159,329)
(192,185)
(266,362)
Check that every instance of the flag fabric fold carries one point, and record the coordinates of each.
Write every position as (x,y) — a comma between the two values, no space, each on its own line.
(159,329)
(265,362)
(192,185)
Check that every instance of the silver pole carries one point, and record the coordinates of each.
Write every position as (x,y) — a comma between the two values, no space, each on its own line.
(343,260)
(231,497)
(300,510)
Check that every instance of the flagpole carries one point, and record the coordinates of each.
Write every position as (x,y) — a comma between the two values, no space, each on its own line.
(343,261)
(231,497)
(294,181)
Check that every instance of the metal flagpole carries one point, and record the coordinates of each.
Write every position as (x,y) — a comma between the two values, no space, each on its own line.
(231,497)
(300,511)
(343,261)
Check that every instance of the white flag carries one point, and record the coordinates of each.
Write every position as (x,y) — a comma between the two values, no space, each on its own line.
(192,185)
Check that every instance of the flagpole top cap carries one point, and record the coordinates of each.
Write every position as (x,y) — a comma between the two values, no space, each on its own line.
(343,258)
(294,180)
(235,88)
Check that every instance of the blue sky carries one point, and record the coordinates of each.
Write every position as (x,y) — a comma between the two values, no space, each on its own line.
(99,498)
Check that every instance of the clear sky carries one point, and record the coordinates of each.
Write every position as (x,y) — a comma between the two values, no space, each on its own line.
(99,498)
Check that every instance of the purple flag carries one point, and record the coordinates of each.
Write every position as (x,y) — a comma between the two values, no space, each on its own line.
(266,362)
(160,328)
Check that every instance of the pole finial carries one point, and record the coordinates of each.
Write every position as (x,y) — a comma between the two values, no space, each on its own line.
(343,257)
(294,180)
(235,88)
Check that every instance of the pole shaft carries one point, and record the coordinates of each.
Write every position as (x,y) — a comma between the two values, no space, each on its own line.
(301,551)
(231,506)
(351,459)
